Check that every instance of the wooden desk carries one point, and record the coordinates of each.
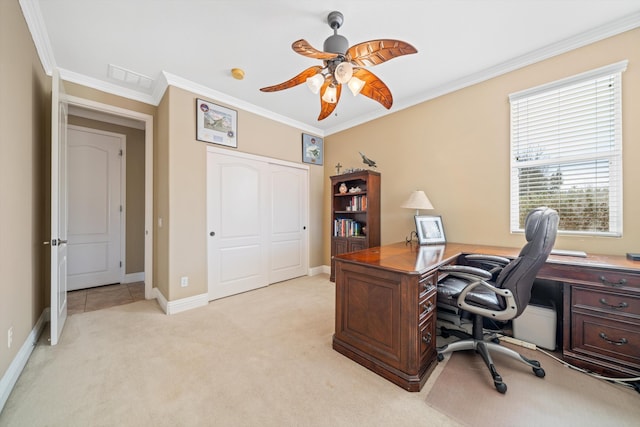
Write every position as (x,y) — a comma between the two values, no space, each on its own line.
(386,309)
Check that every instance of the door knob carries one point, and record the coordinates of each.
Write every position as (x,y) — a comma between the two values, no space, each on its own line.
(212,233)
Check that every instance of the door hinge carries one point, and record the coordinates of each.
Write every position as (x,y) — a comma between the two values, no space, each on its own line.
(120,153)
(120,264)
(120,208)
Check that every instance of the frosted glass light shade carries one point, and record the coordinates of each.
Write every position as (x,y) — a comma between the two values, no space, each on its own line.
(355,85)
(315,82)
(344,72)
(330,95)
(417,200)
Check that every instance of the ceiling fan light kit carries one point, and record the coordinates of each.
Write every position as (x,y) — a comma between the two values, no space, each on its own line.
(344,65)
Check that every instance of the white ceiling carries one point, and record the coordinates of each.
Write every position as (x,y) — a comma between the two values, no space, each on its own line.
(194,44)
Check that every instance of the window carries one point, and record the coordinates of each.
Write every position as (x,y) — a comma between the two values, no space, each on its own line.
(566,152)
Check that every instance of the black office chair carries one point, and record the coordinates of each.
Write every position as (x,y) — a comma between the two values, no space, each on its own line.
(496,288)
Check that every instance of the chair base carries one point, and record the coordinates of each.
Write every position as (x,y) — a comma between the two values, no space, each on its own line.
(484,348)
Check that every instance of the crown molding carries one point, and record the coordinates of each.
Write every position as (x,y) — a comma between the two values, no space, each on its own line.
(596,34)
(188,85)
(35,23)
(104,86)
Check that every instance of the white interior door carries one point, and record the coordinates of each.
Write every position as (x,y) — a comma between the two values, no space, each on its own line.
(95,207)
(288,230)
(237,220)
(58,240)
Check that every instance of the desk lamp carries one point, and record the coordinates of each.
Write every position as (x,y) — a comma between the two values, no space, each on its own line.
(417,200)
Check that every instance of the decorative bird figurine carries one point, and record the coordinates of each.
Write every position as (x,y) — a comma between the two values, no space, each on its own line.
(367,161)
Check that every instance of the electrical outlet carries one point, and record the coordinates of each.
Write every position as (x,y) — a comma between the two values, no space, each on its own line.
(9,337)
(184,281)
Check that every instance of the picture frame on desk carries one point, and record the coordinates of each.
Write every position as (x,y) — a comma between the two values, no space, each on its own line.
(430,230)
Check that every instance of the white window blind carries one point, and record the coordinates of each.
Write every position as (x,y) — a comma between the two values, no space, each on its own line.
(566,152)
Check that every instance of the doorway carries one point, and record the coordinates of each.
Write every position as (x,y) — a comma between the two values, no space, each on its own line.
(84,111)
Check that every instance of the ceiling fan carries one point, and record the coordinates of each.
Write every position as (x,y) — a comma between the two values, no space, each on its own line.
(344,65)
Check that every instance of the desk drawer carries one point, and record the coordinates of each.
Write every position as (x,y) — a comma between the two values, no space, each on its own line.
(427,343)
(615,303)
(427,306)
(609,279)
(427,285)
(612,340)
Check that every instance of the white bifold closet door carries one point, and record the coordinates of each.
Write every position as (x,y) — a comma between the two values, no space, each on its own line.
(257,211)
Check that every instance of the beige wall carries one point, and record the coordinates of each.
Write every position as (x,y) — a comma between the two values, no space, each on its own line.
(24,143)
(182,159)
(134,191)
(456,149)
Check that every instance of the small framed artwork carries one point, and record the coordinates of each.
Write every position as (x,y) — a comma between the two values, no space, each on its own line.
(429,229)
(312,151)
(216,124)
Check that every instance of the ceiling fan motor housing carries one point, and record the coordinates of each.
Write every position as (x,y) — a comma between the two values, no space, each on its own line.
(336,43)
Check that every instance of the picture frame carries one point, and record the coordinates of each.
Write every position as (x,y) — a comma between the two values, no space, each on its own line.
(216,124)
(429,229)
(312,149)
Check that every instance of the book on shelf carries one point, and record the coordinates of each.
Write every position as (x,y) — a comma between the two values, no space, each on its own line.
(346,227)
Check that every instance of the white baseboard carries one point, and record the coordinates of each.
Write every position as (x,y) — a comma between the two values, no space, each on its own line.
(133,277)
(314,271)
(178,306)
(9,379)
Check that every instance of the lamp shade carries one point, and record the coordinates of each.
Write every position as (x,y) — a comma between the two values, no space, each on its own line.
(315,82)
(417,200)
(343,72)
(356,85)
(330,95)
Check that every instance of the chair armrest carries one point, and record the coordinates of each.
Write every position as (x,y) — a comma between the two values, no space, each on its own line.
(489,258)
(466,271)
(508,313)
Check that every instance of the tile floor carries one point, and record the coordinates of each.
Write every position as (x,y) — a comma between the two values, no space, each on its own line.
(104,296)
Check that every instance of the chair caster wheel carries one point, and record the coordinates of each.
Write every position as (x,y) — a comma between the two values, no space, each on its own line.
(539,372)
(444,333)
(501,387)
(440,357)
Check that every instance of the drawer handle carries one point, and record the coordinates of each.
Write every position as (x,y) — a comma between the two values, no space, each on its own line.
(427,307)
(427,338)
(620,282)
(428,287)
(606,338)
(615,307)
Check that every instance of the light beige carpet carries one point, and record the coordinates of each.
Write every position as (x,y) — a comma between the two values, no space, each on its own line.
(564,397)
(264,358)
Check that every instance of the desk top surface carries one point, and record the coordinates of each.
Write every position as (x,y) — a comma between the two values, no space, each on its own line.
(414,258)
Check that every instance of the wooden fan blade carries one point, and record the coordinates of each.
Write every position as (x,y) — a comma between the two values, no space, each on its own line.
(295,81)
(374,88)
(305,49)
(326,108)
(376,52)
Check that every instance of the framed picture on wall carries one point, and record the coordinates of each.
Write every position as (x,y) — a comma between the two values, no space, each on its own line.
(216,124)
(429,229)
(312,150)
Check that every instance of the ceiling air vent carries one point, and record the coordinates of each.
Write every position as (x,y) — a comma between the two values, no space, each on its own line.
(130,78)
